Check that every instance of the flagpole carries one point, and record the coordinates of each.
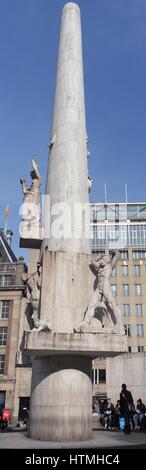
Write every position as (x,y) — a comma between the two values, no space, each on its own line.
(6,215)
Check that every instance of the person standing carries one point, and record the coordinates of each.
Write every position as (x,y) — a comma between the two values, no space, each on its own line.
(126,407)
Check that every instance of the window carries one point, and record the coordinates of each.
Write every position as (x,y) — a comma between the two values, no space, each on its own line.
(139,254)
(136,270)
(114,272)
(125,289)
(4,309)
(95,376)
(140,348)
(140,330)
(127,330)
(102,376)
(139,310)
(126,310)
(114,289)
(98,376)
(124,270)
(129,349)
(2,364)
(137,289)
(123,254)
(3,335)
(5,281)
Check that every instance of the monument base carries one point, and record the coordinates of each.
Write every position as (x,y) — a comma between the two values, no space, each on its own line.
(83,344)
(61,407)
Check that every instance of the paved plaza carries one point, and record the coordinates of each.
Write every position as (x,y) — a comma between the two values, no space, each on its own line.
(16,438)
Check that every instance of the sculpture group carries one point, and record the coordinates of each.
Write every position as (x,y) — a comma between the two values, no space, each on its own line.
(102,306)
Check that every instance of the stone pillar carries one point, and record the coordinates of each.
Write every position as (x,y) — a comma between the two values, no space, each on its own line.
(61,398)
(67,179)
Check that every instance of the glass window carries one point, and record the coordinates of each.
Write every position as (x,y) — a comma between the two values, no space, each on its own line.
(127,329)
(139,310)
(123,254)
(137,289)
(139,254)
(136,270)
(124,270)
(140,330)
(4,309)
(114,272)
(125,289)
(2,364)
(140,348)
(114,289)
(3,335)
(129,349)
(95,376)
(126,310)
(5,281)
(102,376)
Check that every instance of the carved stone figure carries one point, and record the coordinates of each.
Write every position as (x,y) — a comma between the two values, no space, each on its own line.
(32,293)
(31,203)
(102,299)
(90,182)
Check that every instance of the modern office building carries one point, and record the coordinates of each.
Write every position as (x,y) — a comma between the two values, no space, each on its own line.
(122,226)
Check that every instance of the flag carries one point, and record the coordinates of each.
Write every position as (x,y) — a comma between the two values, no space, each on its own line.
(6,211)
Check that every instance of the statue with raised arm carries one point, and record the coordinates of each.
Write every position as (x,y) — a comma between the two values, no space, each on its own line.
(102,298)
(31,202)
(32,293)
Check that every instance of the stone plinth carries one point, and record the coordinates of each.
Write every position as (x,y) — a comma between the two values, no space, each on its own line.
(30,236)
(83,344)
(61,398)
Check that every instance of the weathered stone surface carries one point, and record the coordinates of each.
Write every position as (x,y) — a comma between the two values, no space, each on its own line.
(93,345)
(61,404)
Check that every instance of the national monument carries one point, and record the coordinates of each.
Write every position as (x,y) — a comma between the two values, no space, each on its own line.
(74,316)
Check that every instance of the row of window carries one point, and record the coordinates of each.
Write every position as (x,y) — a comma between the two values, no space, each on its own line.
(139,330)
(118,212)
(138,310)
(119,234)
(125,270)
(137,288)
(139,349)
(123,254)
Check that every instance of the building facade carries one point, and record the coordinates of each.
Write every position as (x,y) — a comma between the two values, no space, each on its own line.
(113,226)
(122,226)
(11,312)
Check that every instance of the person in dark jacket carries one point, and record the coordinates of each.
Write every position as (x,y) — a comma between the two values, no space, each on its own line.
(139,413)
(126,407)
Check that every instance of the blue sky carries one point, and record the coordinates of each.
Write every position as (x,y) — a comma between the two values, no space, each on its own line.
(114,45)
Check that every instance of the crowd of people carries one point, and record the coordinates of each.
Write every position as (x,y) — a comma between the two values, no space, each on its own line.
(125,415)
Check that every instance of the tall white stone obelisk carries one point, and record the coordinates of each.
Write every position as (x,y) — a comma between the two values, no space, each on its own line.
(61,397)
(61,383)
(67,179)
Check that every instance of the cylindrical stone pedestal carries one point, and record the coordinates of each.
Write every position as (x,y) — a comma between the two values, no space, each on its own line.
(61,407)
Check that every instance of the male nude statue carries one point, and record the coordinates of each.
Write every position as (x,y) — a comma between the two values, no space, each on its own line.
(102,296)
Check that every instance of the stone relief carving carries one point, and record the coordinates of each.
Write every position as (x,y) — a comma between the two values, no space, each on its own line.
(102,313)
(32,294)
